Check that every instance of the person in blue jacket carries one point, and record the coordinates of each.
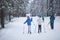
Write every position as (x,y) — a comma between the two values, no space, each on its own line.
(52,18)
(28,21)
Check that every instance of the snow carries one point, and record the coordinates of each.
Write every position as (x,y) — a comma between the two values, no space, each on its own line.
(14,30)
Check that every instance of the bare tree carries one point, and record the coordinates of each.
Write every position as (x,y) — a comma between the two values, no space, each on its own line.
(2,13)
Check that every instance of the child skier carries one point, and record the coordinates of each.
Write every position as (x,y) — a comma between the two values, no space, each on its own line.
(39,20)
(52,18)
(28,21)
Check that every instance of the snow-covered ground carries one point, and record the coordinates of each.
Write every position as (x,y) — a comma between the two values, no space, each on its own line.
(14,30)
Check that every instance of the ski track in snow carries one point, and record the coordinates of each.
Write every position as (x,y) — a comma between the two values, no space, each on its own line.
(14,30)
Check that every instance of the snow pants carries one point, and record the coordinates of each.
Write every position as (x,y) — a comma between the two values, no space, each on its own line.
(52,25)
(39,28)
(29,29)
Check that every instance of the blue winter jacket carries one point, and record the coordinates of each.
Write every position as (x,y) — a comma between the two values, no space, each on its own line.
(28,21)
(52,18)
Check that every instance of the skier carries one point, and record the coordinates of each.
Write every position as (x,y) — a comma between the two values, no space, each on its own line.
(28,21)
(42,15)
(39,20)
(52,18)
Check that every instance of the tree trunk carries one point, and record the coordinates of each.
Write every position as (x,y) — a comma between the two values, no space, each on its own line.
(2,18)
(9,16)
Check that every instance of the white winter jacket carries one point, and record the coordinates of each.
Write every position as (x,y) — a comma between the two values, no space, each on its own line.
(39,20)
